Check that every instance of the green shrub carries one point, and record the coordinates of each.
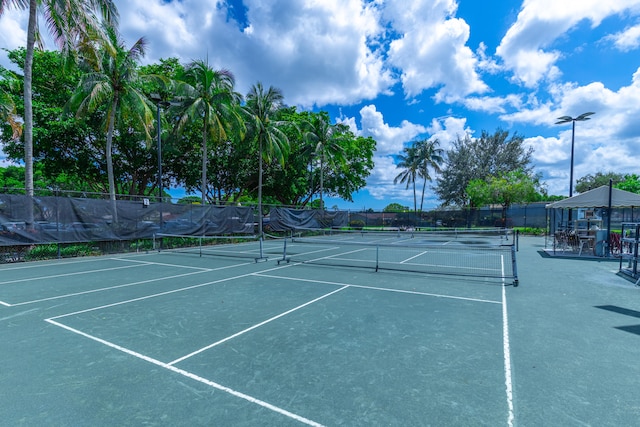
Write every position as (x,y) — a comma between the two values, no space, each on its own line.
(141,245)
(358,224)
(50,251)
(41,252)
(532,231)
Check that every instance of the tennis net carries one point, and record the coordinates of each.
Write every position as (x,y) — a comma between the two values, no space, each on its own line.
(244,246)
(449,236)
(406,252)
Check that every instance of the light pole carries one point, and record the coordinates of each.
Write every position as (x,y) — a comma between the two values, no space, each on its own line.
(566,119)
(160,104)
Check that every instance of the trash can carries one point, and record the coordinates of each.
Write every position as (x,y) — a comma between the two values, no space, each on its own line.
(601,242)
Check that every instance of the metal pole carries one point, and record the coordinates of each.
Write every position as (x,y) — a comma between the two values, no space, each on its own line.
(608,247)
(573,136)
(159,126)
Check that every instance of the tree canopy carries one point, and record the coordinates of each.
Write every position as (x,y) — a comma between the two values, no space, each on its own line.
(74,146)
(506,189)
(491,155)
(591,181)
(395,207)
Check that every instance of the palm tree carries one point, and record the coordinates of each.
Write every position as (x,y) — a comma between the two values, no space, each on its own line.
(410,164)
(272,142)
(68,21)
(7,106)
(208,95)
(325,143)
(429,156)
(114,82)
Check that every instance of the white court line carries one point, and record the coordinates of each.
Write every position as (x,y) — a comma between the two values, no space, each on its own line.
(22,313)
(330,248)
(161,263)
(180,359)
(38,264)
(173,291)
(328,256)
(109,288)
(191,376)
(68,274)
(375,288)
(413,257)
(507,354)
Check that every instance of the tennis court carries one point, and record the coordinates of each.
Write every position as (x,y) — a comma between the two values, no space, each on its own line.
(174,338)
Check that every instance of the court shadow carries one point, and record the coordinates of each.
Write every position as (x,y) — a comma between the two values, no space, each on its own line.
(634,329)
(620,310)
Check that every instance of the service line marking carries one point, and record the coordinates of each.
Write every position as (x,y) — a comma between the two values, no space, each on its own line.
(180,359)
(375,288)
(190,375)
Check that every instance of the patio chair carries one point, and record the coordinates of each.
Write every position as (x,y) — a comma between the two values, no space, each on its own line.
(616,245)
(562,240)
(574,241)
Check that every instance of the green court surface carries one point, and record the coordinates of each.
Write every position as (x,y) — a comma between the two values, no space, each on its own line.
(180,339)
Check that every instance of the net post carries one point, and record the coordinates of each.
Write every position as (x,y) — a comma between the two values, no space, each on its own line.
(284,252)
(377,257)
(261,258)
(157,242)
(515,266)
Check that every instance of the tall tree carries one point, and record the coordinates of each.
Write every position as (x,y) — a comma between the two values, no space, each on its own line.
(68,21)
(630,183)
(591,181)
(490,155)
(295,184)
(409,162)
(273,143)
(429,156)
(325,143)
(72,146)
(505,189)
(208,95)
(113,82)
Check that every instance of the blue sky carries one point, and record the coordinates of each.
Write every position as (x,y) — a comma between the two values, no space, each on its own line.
(405,70)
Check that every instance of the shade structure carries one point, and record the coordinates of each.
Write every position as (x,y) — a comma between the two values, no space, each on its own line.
(599,198)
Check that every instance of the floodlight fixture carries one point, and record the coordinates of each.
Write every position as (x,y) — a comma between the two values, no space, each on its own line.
(568,119)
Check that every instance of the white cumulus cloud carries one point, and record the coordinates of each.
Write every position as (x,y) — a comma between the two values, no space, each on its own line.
(525,48)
